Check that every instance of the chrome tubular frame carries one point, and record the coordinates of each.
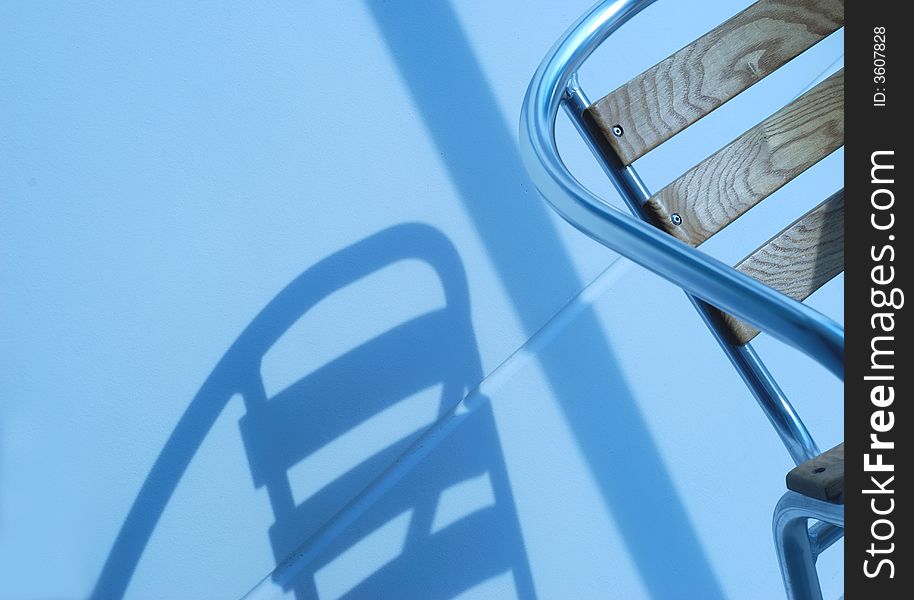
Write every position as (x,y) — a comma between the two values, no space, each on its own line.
(707,278)
(797,550)
(706,281)
(768,394)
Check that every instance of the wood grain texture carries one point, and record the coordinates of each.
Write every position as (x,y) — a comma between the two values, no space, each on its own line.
(821,478)
(799,260)
(677,92)
(718,190)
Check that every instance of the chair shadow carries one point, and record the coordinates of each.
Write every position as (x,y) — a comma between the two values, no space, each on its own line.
(437,348)
(461,114)
(463,118)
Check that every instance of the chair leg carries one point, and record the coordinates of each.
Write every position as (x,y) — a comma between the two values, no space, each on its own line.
(793,545)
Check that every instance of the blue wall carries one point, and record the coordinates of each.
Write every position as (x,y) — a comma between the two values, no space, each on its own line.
(248,254)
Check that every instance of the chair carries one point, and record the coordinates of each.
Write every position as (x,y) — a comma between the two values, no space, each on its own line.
(764,291)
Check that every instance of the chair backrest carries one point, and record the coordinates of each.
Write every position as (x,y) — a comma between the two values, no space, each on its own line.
(680,90)
(677,92)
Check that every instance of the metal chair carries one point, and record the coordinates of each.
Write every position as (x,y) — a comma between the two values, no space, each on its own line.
(765,290)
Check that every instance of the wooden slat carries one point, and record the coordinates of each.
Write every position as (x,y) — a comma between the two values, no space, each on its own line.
(799,260)
(724,186)
(675,93)
(822,477)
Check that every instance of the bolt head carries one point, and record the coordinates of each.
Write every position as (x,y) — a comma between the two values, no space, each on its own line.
(618,131)
(675,219)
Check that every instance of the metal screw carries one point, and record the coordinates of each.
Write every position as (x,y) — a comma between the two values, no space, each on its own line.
(675,219)
(617,130)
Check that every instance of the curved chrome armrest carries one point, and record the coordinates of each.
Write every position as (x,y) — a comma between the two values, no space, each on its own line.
(707,278)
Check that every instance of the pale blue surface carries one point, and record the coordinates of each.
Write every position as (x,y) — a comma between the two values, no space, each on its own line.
(168,169)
